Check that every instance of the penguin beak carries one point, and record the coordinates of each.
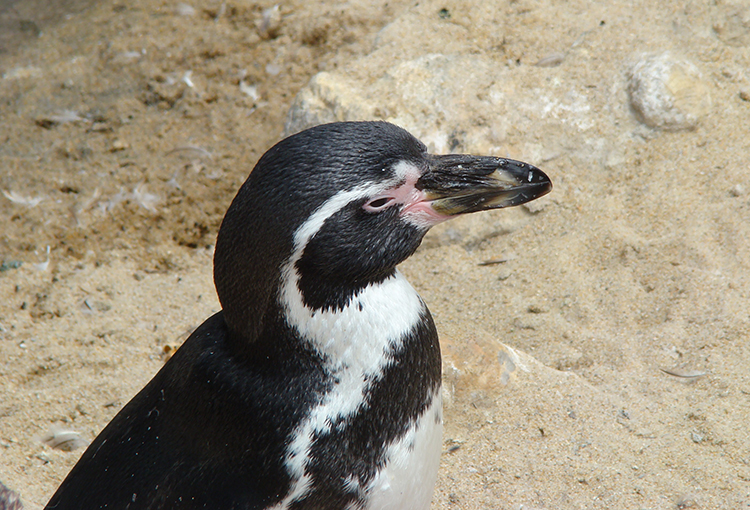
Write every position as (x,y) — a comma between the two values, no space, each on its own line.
(459,184)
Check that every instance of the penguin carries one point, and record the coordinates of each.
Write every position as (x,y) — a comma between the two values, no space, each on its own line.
(318,384)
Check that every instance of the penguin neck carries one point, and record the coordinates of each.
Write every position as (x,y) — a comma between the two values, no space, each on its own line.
(363,333)
(322,292)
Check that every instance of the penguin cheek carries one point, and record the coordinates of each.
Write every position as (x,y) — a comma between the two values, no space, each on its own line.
(399,242)
(357,245)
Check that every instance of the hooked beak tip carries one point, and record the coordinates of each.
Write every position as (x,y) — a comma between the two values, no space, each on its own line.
(458,184)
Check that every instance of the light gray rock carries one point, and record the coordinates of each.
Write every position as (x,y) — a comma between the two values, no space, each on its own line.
(668,93)
(327,98)
(454,102)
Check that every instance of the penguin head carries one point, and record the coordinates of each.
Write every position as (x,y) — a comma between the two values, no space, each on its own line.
(337,207)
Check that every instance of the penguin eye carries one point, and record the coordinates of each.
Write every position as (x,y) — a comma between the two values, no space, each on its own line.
(378,204)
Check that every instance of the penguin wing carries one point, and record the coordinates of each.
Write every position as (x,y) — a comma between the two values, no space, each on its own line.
(184,441)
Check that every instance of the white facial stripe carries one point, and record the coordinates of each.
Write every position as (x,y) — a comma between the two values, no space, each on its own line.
(407,171)
(333,205)
(356,341)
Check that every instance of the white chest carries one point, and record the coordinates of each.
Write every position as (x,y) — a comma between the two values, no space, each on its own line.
(408,479)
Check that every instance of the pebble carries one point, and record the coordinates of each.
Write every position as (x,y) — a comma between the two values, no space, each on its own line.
(184,9)
(668,93)
(686,501)
(270,22)
(551,60)
(65,440)
(119,145)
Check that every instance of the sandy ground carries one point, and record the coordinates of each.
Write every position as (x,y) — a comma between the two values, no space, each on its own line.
(596,345)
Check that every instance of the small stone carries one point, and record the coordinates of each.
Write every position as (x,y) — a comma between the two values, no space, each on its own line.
(745,94)
(65,440)
(119,145)
(686,501)
(269,25)
(184,9)
(551,60)
(19,73)
(273,69)
(668,93)
(327,98)
(10,264)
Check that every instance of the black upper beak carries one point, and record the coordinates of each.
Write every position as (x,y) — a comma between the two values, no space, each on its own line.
(459,184)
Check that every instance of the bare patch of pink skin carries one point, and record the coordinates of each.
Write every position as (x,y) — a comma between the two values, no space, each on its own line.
(417,208)
(419,212)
